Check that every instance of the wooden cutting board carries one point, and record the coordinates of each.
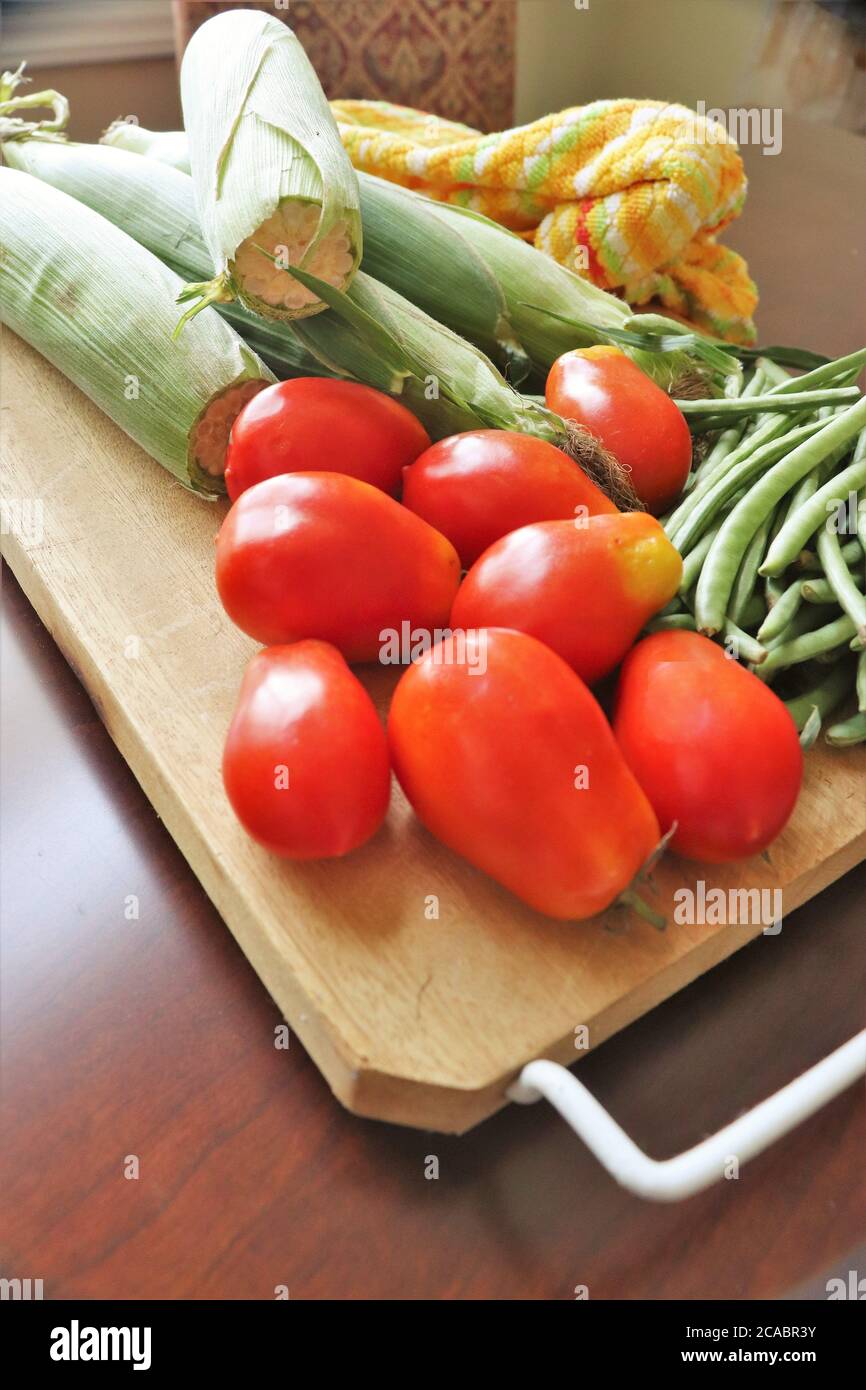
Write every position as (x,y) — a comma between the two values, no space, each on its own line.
(414,1019)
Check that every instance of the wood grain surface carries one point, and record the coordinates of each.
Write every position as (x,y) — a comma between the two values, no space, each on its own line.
(154,1037)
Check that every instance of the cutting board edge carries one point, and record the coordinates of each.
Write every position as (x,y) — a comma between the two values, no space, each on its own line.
(419,1104)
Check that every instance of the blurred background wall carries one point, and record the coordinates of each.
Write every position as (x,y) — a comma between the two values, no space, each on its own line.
(529,56)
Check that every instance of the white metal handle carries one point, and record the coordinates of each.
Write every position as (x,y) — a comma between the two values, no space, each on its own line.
(671,1179)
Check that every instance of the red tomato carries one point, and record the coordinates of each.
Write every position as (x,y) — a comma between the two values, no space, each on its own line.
(603,390)
(508,759)
(323,555)
(584,589)
(478,486)
(313,423)
(713,748)
(306,764)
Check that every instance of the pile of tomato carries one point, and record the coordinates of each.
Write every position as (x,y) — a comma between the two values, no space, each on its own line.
(497,740)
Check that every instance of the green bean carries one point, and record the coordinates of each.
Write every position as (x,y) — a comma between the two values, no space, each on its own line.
(819,590)
(754,612)
(773,428)
(841,580)
(665,622)
(781,613)
(735,532)
(720,406)
(861,503)
(693,560)
(731,436)
(809,645)
(861,682)
(774,588)
(720,450)
(804,490)
(811,729)
(708,501)
(741,645)
(772,372)
(808,560)
(849,732)
(806,619)
(851,365)
(825,696)
(772,375)
(747,575)
(805,522)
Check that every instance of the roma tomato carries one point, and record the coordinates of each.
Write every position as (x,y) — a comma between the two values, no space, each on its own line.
(478,486)
(312,423)
(323,555)
(508,759)
(603,390)
(586,590)
(306,764)
(713,748)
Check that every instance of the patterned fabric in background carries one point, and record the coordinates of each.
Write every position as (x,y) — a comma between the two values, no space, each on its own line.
(629,193)
(454,57)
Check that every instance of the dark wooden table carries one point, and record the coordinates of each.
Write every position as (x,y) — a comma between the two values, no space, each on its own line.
(152,1037)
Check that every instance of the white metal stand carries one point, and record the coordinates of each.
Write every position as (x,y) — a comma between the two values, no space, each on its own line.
(672,1179)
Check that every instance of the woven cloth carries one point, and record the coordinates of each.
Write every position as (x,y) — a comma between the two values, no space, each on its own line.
(630,194)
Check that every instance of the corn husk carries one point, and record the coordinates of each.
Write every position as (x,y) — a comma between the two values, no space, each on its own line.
(101,308)
(168,146)
(273,185)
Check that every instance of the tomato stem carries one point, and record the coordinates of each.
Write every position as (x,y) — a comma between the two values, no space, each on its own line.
(629,898)
(650,863)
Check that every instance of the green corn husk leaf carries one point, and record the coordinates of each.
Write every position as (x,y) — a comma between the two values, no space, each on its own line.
(429,261)
(101,308)
(268,165)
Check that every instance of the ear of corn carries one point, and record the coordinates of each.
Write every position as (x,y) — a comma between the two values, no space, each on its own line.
(102,308)
(540,310)
(373,335)
(274,186)
(456,286)
(154,204)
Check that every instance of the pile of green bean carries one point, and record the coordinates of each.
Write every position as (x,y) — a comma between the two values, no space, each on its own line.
(772,531)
